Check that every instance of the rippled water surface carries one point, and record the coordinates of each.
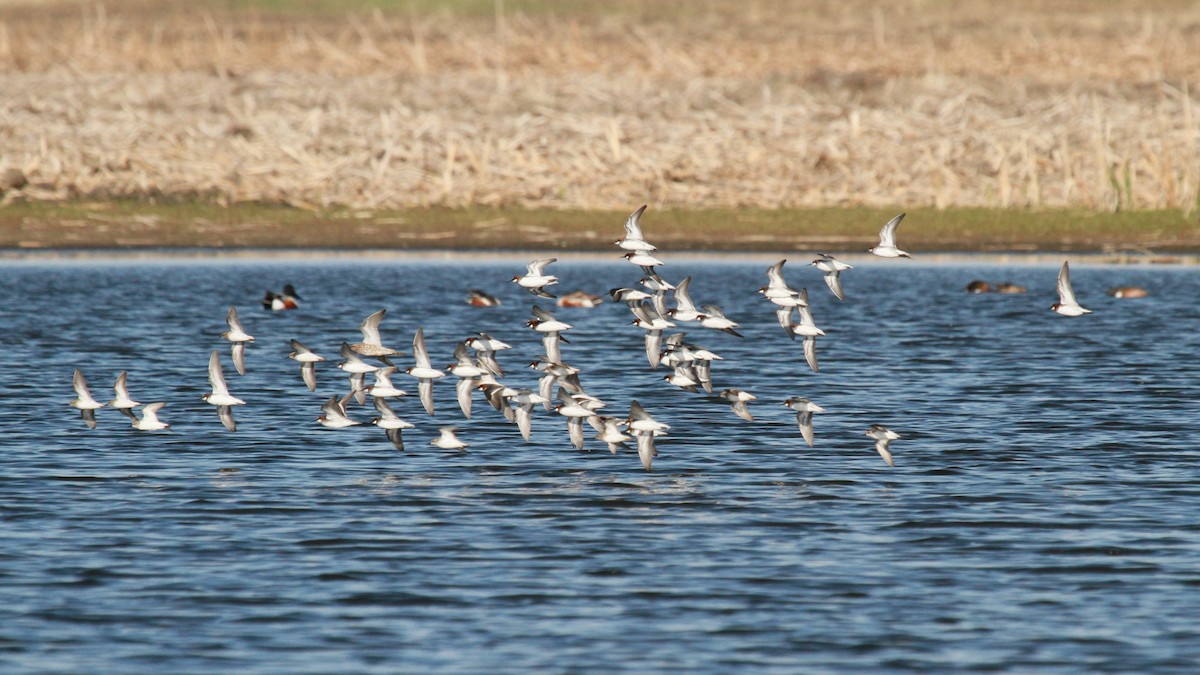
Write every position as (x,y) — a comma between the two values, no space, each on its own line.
(1042,514)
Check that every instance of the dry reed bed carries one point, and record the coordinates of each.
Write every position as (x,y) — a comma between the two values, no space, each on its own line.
(840,104)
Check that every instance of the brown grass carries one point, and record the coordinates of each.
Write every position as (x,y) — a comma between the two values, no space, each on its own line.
(605,106)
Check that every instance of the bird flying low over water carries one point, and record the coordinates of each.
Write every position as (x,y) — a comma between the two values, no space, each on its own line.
(220,396)
(833,268)
(804,415)
(122,402)
(715,319)
(389,421)
(149,420)
(551,330)
(383,387)
(535,278)
(308,360)
(685,309)
(334,410)
(634,241)
(84,401)
(372,342)
(883,437)
(644,259)
(447,440)
(423,371)
(239,337)
(1067,305)
(739,399)
(357,369)
(887,241)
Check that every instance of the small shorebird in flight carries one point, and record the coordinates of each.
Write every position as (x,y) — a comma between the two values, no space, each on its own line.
(535,278)
(1067,305)
(833,268)
(84,401)
(220,395)
(423,371)
(149,420)
(372,343)
(804,415)
(634,241)
(239,337)
(308,360)
(887,241)
(883,437)
(122,402)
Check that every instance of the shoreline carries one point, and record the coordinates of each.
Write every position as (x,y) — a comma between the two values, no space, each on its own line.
(272,255)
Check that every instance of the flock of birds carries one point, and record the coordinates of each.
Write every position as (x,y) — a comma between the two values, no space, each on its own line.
(560,388)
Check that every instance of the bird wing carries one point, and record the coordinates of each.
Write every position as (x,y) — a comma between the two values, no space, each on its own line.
(226,414)
(524,420)
(231,318)
(653,347)
(420,354)
(881,446)
(1066,294)
(370,328)
(804,420)
(575,429)
(834,281)
(810,353)
(775,274)
(238,352)
(646,450)
(464,388)
(121,388)
(308,371)
(425,389)
(397,439)
(538,267)
(742,411)
(887,236)
(81,385)
(633,227)
(215,376)
(385,411)
(683,299)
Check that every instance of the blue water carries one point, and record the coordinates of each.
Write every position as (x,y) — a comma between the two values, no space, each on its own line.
(1041,516)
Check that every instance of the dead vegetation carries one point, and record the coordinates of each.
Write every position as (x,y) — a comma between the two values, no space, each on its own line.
(602,106)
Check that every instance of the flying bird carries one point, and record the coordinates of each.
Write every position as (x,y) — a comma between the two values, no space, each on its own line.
(833,268)
(334,410)
(308,360)
(887,241)
(372,342)
(423,371)
(535,278)
(122,402)
(739,399)
(389,421)
(634,241)
(149,420)
(239,337)
(883,437)
(84,402)
(448,441)
(804,415)
(220,396)
(1067,305)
